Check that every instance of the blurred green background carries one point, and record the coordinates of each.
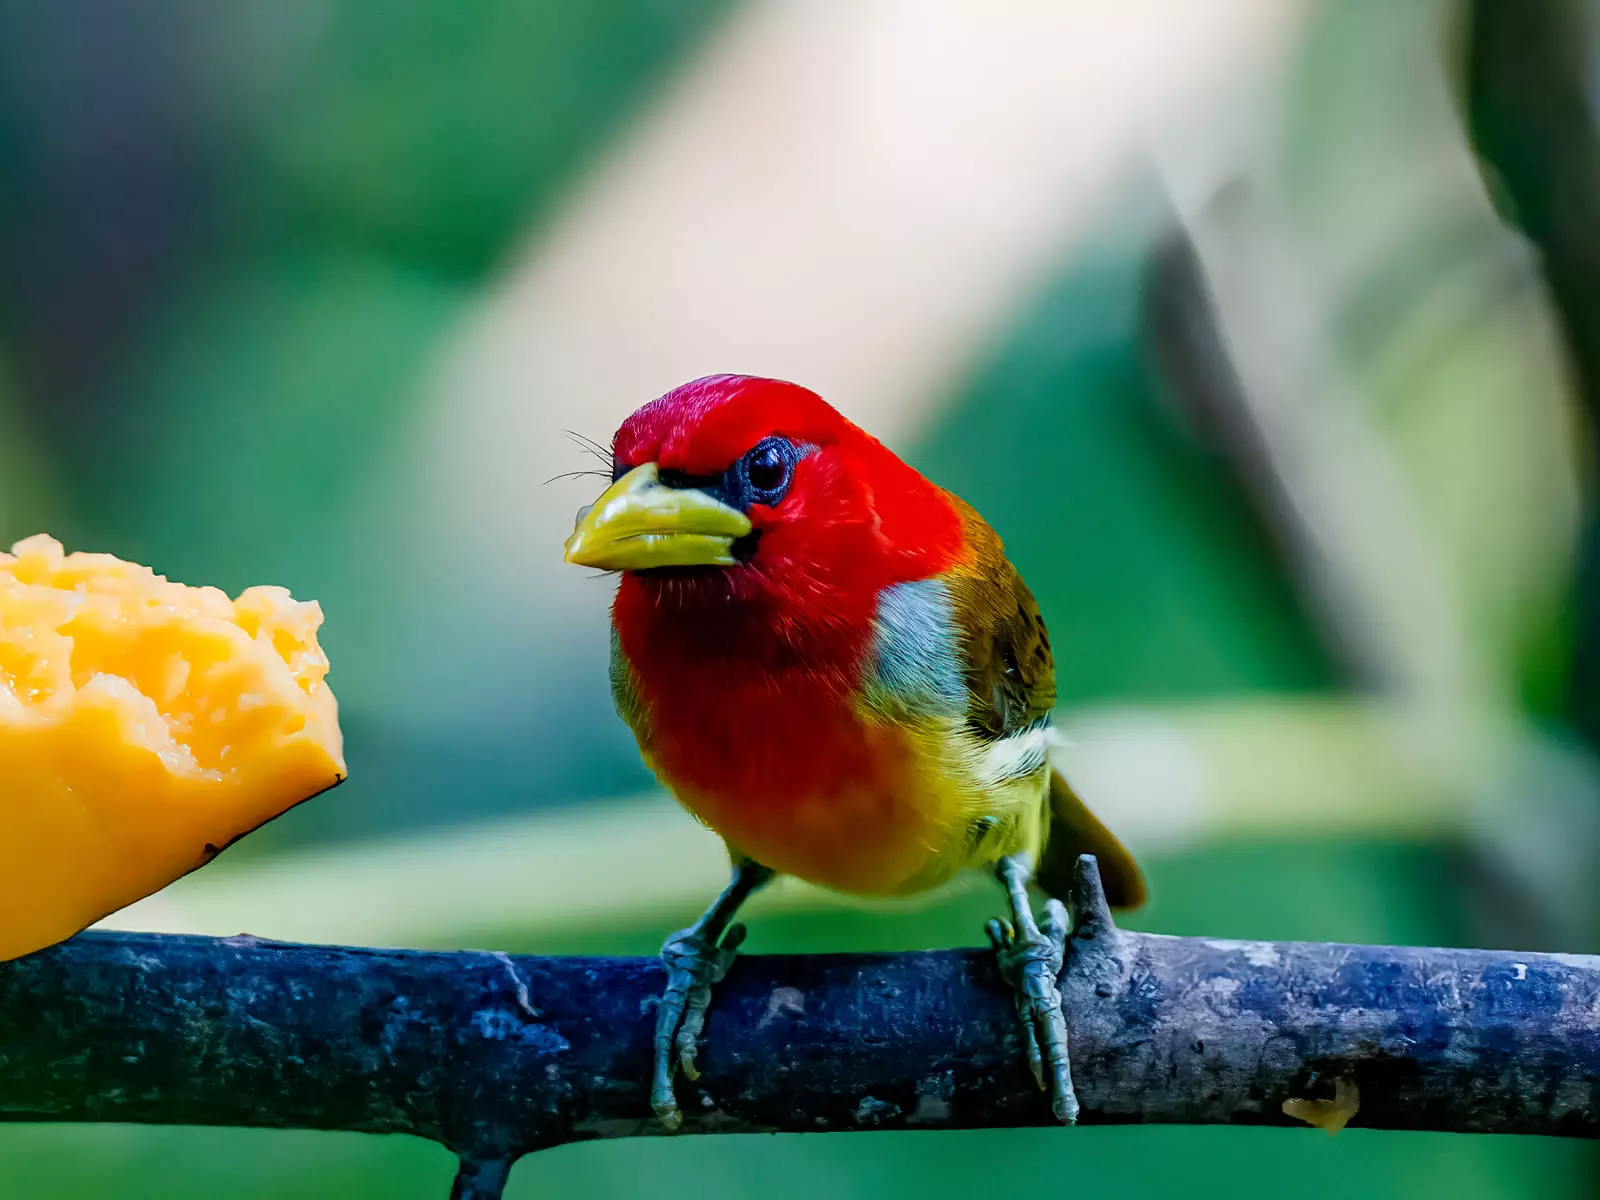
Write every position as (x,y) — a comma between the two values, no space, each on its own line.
(1207,308)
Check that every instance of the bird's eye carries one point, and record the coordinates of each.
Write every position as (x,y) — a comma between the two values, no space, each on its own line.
(768,468)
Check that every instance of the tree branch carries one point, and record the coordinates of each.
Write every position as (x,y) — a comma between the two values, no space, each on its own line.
(495,1056)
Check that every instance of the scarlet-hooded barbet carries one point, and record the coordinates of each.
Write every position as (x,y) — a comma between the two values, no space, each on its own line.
(831,662)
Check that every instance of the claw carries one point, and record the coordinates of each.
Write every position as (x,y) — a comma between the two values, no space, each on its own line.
(694,965)
(1056,925)
(694,1020)
(1031,1037)
(1031,959)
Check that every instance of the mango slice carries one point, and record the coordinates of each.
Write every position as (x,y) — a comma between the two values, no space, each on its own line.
(144,725)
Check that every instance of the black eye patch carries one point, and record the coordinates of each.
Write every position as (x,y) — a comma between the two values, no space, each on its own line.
(761,476)
(682,479)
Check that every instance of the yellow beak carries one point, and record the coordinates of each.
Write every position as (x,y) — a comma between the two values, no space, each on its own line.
(639,522)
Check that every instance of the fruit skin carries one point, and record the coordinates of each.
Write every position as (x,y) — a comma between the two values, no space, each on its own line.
(144,727)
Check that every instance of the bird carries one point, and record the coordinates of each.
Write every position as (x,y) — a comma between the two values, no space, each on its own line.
(830,661)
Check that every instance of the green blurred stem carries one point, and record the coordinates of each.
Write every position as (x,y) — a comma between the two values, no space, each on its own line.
(1166,779)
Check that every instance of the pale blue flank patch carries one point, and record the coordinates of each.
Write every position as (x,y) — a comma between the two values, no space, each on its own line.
(915,667)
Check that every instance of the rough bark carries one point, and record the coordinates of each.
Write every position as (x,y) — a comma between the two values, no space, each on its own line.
(496,1056)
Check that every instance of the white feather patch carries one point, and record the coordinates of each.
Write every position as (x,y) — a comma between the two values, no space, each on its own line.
(1019,755)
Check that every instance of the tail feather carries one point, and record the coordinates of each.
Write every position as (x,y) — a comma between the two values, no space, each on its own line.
(1075,831)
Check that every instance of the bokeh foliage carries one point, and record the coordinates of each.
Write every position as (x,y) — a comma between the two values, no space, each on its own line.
(206,365)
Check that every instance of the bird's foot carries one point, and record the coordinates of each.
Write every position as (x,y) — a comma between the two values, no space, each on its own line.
(1030,960)
(695,962)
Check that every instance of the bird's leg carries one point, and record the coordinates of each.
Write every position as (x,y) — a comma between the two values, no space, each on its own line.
(1030,959)
(696,958)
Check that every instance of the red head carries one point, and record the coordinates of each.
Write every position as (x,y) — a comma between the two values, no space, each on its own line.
(829,515)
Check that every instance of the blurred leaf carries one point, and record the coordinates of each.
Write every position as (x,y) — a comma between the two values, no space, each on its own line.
(1154,576)
(1136,1162)
(259,406)
(1438,314)
(145,1162)
(438,132)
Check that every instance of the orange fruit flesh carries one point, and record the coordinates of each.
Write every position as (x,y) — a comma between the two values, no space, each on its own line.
(144,725)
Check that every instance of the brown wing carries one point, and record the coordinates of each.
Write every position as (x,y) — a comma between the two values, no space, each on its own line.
(1011,676)
(1011,686)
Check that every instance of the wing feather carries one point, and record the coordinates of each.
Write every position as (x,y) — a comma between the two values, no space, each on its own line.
(1011,692)
(1010,671)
